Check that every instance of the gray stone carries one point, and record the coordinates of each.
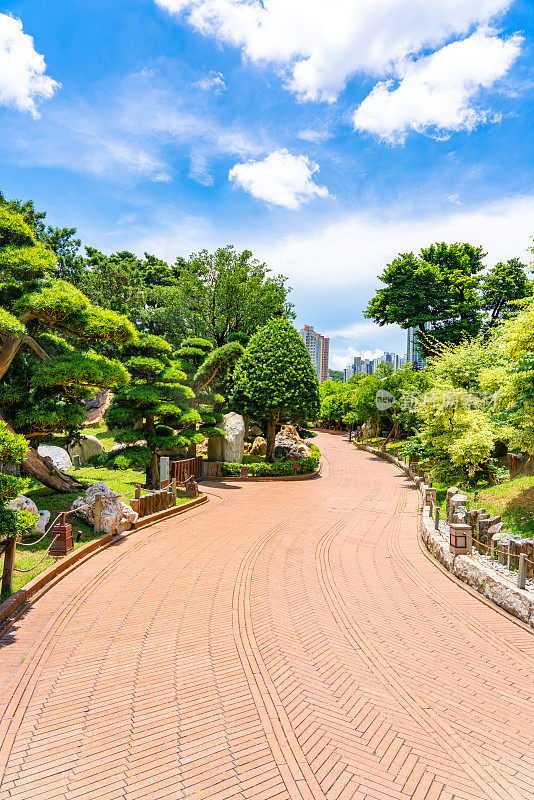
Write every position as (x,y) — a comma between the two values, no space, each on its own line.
(59,457)
(288,446)
(230,447)
(87,446)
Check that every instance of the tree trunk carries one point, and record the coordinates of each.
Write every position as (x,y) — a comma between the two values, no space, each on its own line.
(152,472)
(45,472)
(271,432)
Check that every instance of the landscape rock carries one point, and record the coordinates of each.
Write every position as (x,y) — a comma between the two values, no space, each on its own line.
(42,523)
(22,503)
(288,446)
(59,457)
(516,464)
(116,516)
(255,431)
(87,446)
(230,447)
(259,447)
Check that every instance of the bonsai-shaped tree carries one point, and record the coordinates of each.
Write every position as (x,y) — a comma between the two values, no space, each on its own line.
(156,406)
(275,380)
(47,328)
(208,373)
(12,451)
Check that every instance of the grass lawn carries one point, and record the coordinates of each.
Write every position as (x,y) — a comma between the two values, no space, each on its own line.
(121,481)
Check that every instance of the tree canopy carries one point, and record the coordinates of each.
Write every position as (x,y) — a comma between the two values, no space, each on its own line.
(275,381)
(47,331)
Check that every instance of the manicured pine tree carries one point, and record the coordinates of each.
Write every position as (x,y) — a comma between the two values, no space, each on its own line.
(275,380)
(156,406)
(208,372)
(47,328)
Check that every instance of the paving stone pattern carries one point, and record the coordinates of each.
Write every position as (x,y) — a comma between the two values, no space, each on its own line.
(283,641)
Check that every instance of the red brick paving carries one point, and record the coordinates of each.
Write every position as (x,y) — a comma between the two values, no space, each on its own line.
(286,640)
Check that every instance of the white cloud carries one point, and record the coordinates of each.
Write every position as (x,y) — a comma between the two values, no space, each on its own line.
(281,179)
(130,131)
(214,80)
(321,44)
(313,136)
(437,93)
(22,68)
(341,260)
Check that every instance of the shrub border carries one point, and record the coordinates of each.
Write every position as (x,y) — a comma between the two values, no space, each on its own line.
(38,586)
(253,479)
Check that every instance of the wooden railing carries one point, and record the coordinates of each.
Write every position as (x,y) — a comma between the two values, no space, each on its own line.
(160,500)
(186,467)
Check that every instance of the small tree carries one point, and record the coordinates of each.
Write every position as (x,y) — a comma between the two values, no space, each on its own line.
(156,406)
(12,451)
(275,380)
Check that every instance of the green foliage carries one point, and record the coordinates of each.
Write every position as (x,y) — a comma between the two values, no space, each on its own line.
(337,400)
(155,407)
(335,374)
(440,287)
(126,458)
(503,286)
(47,327)
(218,295)
(277,469)
(12,451)
(275,380)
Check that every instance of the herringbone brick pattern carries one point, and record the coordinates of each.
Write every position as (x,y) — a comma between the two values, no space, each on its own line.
(285,641)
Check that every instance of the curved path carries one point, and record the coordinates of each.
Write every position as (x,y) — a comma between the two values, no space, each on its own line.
(287,640)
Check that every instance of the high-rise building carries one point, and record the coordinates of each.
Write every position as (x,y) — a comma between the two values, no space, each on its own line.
(414,356)
(318,347)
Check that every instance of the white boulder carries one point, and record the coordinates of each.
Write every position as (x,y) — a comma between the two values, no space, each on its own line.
(60,458)
(231,446)
(87,446)
(43,522)
(22,503)
(116,515)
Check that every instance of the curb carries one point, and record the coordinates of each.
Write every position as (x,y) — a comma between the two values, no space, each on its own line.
(38,586)
(515,604)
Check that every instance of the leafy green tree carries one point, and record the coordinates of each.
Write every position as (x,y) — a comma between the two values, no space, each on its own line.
(335,374)
(502,286)
(156,406)
(337,400)
(12,451)
(275,380)
(47,329)
(217,295)
(208,372)
(438,288)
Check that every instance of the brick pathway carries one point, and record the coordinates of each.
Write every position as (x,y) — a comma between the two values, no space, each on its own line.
(284,641)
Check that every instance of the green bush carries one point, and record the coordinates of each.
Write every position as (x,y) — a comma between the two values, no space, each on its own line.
(277,469)
(125,458)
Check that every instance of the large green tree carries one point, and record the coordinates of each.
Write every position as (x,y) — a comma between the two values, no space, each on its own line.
(47,330)
(437,288)
(275,380)
(217,295)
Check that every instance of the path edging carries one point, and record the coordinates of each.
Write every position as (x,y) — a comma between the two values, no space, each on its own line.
(487,584)
(50,576)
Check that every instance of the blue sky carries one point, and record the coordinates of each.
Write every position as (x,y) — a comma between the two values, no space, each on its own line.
(324,136)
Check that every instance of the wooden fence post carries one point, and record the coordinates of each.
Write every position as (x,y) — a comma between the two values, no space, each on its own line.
(522,572)
(98,514)
(9,563)
(174,489)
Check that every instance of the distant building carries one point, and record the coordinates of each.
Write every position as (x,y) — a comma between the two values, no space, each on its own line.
(318,346)
(414,355)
